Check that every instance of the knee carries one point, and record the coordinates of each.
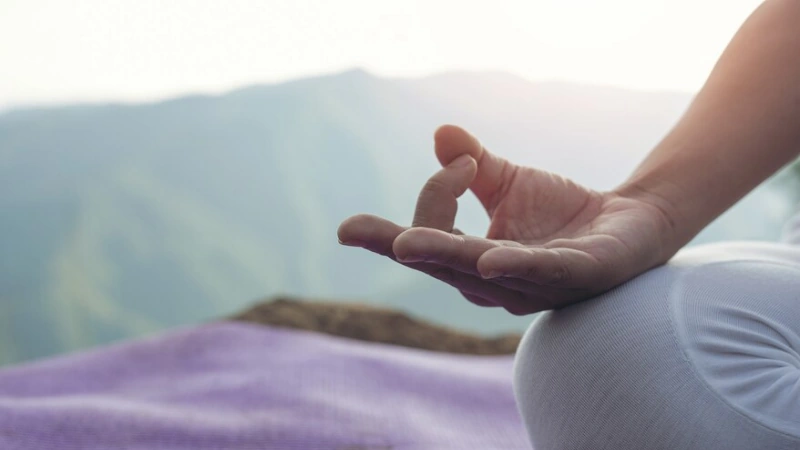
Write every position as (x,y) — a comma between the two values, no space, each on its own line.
(578,372)
(663,362)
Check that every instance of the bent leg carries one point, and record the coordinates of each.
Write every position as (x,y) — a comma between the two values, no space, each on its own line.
(682,357)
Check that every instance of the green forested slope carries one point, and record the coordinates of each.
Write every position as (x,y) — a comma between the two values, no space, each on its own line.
(120,220)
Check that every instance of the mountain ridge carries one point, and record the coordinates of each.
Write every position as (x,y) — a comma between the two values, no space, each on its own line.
(354,72)
(122,220)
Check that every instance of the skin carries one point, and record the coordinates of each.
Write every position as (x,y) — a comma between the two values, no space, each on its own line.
(552,242)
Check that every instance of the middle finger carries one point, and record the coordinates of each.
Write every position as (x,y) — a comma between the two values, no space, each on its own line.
(459,252)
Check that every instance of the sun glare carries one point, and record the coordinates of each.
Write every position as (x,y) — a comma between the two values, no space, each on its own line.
(139,50)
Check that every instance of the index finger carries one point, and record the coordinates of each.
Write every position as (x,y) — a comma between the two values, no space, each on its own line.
(438,201)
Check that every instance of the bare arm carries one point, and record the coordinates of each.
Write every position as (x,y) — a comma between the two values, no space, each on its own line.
(552,242)
(742,127)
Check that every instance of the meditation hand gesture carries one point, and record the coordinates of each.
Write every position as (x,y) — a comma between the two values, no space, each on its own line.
(550,243)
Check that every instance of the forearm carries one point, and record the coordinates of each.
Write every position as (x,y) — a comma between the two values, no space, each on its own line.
(741,128)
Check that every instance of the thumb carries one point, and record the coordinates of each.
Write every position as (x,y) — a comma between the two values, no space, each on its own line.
(494,173)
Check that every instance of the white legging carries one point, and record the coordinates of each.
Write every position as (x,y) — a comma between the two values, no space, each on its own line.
(702,353)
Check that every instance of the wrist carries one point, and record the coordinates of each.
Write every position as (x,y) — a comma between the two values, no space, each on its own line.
(670,225)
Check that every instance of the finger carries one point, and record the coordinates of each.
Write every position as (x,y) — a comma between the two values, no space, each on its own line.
(518,284)
(472,286)
(480,301)
(438,201)
(494,173)
(559,267)
(518,296)
(370,232)
(540,297)
(458,252)
(377,235)
(522,303)
(525,305)
(518,306)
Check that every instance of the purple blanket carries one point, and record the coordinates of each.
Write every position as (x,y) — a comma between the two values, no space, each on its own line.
(241,386)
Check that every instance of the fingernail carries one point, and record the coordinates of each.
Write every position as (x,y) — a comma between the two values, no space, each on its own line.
(351,243)
(411,258)
(493,274)
(462,161)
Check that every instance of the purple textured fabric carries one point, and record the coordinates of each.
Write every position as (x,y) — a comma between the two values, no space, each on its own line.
(241,386)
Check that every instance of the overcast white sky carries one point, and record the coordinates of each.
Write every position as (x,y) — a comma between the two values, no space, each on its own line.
(63,51)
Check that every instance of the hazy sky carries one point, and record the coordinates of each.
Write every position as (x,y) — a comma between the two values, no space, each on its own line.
(59,51)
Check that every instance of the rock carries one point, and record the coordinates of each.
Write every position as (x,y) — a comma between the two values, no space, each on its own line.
(374,324)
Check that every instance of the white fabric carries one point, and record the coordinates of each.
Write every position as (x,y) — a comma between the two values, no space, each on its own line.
(791,231)
(702,353)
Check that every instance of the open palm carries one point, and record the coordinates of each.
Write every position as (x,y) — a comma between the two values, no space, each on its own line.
(550,243)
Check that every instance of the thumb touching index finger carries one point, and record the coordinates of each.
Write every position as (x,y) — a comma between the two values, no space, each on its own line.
(494,172)
(438,201)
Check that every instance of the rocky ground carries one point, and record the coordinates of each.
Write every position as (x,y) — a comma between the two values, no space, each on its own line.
(374,324)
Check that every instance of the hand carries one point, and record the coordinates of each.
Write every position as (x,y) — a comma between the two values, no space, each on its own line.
(551,242)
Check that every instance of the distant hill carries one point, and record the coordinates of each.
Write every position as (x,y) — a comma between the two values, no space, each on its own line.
(119,220)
